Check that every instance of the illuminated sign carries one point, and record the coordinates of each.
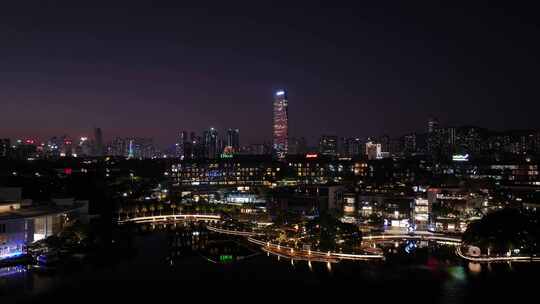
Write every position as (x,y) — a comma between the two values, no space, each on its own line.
(280,93)
(460,158)
(214,173)
(226,155)
(313,155)
(225,258)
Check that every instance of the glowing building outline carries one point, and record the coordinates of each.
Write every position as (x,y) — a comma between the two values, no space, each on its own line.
(280,125)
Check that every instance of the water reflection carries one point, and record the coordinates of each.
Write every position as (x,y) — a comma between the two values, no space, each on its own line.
(475,267)
(193,239)
(12,271)
(183,251)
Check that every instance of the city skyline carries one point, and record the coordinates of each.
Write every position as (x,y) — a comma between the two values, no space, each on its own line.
(377,151)
(227,136)
(368,70)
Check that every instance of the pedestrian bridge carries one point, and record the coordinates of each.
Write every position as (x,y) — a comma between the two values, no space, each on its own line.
(422,237)
(311,255)
(173,217)
(497,258)
(233,232)
(296,254)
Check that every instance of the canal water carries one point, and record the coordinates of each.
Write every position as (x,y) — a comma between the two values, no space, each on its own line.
(188,262)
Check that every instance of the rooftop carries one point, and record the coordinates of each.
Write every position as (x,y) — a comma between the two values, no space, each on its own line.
(37,211)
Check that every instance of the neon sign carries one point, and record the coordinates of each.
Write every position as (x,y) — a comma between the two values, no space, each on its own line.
(460,158)
(225,258)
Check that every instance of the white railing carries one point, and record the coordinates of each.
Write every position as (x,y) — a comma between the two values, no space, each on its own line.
(306,254)
(497,259)
(172,217)
(232,232)
(412,236)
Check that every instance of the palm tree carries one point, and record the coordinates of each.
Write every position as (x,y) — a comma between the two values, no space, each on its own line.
(160,208)
(173,206)
(152,208)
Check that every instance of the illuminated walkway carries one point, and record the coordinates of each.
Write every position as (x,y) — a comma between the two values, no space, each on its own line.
(233,232)
(421,237)
(497,259)
(173,217)
(296,254)
(311,255)
(319,256)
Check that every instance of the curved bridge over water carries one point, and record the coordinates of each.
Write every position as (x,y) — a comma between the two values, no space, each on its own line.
(318,256)
(420,237)
(497,259)
(212,218)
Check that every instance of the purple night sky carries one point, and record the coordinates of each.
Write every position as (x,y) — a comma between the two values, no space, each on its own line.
(146,70)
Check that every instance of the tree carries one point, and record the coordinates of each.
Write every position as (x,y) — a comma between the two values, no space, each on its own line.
(505,230)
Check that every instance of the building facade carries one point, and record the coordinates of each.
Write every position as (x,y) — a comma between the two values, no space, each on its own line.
(280,136)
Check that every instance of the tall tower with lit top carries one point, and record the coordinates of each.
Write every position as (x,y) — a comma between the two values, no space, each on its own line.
(280,124)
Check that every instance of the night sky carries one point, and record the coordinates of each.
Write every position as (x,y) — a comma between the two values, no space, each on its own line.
(144,69)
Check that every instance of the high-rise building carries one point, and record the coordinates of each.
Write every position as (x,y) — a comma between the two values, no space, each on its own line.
(84,147)
(233,139)
(133,147)
(24,149)
(280,124)
(297,146)
(433,123)
(181,144)
(210,143)
(409,144)
(385,143)
(67,146)
(328,145)
(373,150)
(98,142)
(5,147)
(350,147)
(443,142)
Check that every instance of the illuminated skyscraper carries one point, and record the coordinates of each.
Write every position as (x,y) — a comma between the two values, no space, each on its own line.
(181,144)
(280,127)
